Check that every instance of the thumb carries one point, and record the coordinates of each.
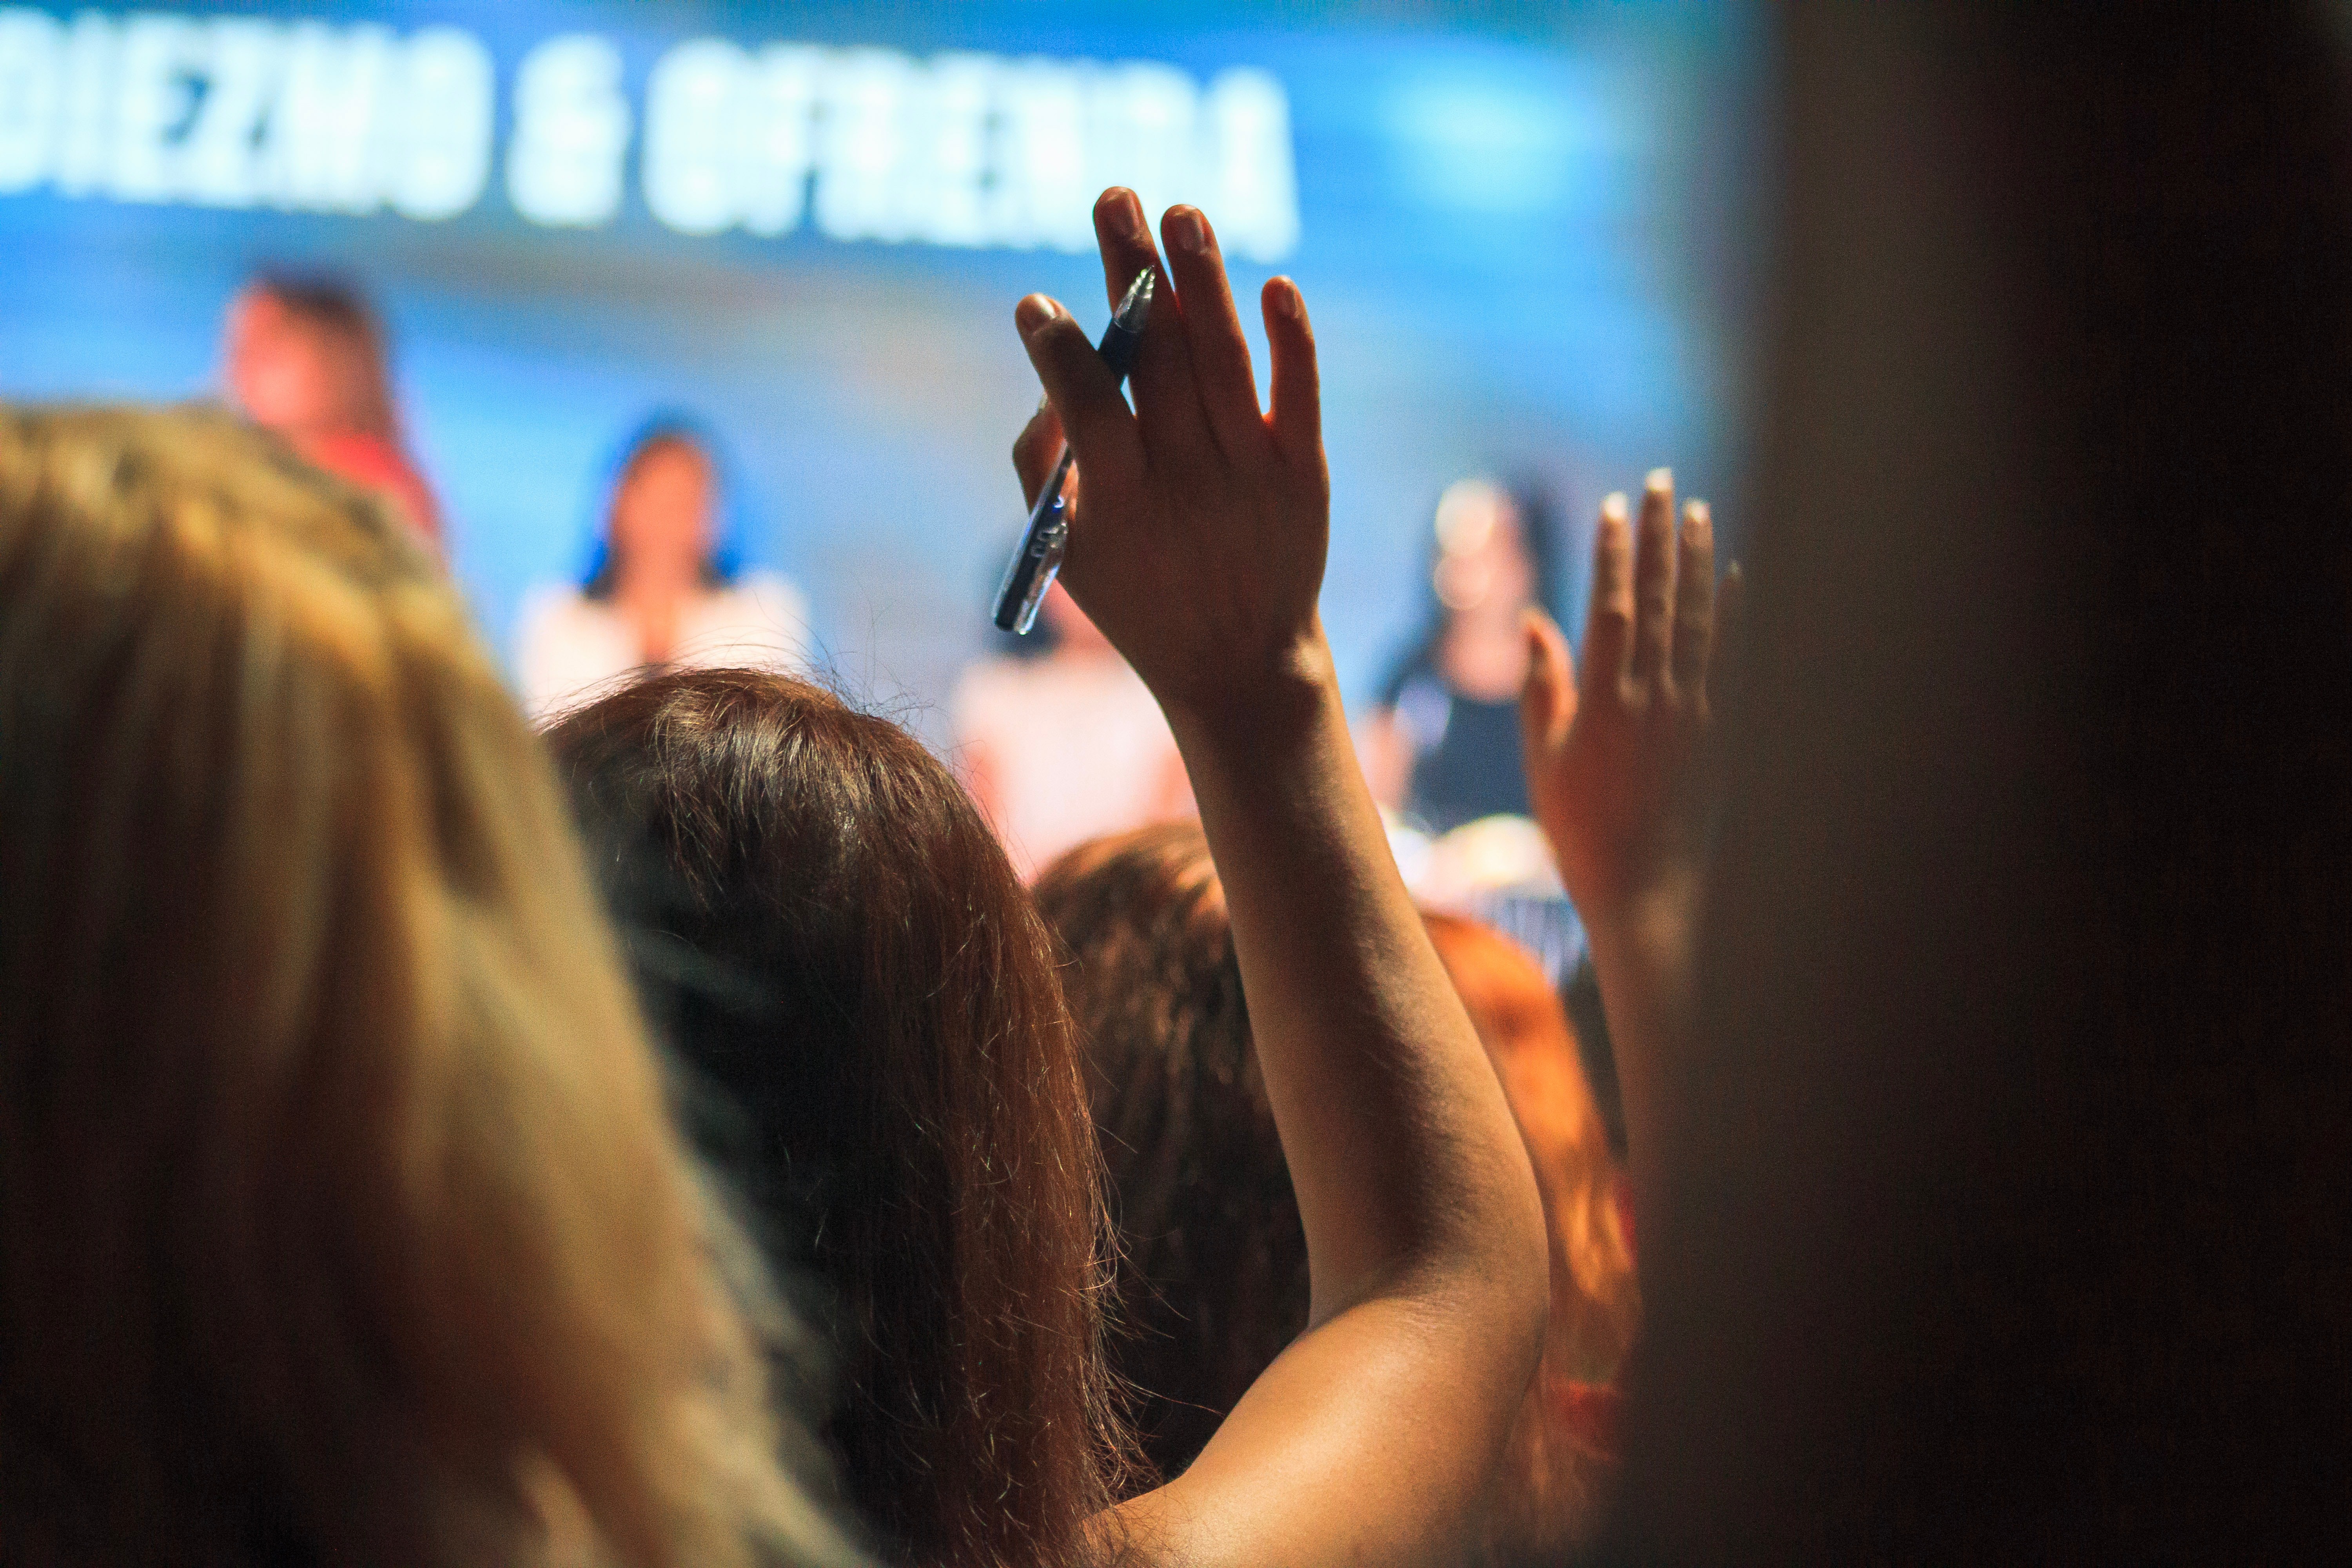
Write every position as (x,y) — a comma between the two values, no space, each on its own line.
(1548,696)
(1037,449)
(1081,390)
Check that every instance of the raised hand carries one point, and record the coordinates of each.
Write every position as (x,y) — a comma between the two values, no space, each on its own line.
(1197,544)
(1617,767)
(1198,529)
(1614,750)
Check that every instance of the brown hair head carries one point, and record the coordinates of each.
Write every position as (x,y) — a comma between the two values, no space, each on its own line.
(841,952)
(1213,1273)
(340,1217)
(1214,1277)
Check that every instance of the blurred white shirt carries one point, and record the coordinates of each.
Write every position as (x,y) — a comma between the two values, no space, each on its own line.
(1061,750)
(570,649)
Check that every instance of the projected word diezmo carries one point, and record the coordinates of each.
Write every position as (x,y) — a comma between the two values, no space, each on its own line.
(960,149)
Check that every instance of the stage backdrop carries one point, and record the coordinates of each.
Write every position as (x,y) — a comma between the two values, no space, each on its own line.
(1523,238)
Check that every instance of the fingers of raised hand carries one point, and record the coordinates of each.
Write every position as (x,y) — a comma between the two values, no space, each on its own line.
(1125,240)
(1609,624)
(1654,578)
(1297,415)
(1082,391)
(1693,628)
(1221,358)
(1167,396)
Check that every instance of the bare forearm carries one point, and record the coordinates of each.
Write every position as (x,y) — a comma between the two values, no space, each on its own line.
(1645,962)
(1400,1145)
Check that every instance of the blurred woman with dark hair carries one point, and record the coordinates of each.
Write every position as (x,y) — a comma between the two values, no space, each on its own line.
(1212,1280)
(663,588)
(834,934)
(304,357)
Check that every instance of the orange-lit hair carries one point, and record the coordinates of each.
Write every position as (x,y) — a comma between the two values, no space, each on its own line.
(1551,1479)
(1212,1276)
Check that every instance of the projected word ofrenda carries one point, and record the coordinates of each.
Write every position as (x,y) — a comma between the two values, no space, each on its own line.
(960,149)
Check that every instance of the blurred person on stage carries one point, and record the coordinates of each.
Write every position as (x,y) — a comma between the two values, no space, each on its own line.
(1059,742)
(663,590)
(304,357)
(1442,746)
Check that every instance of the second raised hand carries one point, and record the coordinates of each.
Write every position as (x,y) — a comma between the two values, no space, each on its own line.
(1612,746)
(1200,523)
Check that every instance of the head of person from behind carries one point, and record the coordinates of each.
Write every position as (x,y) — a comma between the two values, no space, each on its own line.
(356,1230)
(874,1048)
(1213,1269)
(1213,1274)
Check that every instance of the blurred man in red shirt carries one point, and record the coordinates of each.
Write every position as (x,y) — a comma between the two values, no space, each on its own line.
(304,357)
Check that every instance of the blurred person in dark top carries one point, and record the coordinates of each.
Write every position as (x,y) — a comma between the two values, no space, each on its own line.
(1441,744)
(304,356)
(1059,740)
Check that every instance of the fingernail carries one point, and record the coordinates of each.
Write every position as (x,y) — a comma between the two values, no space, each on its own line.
(1659,480)
(1697,515)
(1186,232)
(1033,312)
(1125,215)
(1613,506)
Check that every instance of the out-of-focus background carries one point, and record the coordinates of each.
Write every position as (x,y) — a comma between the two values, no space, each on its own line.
(1523,234)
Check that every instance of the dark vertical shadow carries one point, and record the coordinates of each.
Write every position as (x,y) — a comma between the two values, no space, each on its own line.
(2009,1214)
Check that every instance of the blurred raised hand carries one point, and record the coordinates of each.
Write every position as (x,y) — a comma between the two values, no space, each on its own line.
(1617,748)
(1614,743)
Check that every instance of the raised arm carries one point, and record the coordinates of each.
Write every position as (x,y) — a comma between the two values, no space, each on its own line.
(1198,547)
(1615,754)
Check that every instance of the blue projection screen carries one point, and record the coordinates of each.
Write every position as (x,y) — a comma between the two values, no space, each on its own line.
(1520,237)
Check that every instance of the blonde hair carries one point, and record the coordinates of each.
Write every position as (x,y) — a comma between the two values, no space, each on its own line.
(340,1217)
